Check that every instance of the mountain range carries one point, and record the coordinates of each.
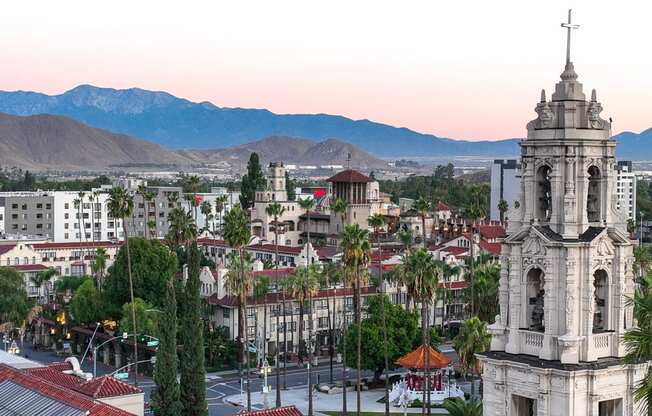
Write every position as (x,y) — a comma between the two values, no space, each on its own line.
(49,142)
(177,123)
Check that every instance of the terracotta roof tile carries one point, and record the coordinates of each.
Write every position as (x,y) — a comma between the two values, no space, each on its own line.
(4,248)
(417,358)
(72,245)
(349,175)
(107,386)
(49,388)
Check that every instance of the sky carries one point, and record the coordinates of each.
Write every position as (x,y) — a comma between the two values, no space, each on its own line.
(458,69)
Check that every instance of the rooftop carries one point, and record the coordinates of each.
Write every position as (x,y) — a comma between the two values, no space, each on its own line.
(349,175)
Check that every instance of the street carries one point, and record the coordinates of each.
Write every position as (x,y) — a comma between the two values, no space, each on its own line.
(217,386)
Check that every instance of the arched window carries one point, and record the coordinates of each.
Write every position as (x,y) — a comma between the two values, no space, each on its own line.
(600,301)
(544,193)
(535,300)
(593,195)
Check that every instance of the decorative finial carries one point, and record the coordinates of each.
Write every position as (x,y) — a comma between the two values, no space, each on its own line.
(569,26)
(543,96)
(593,96)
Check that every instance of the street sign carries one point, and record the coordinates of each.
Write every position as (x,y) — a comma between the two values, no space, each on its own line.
(153,360)
(252,347)
(152,343)
(121,376)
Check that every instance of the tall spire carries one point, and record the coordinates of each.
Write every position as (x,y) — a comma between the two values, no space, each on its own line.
(568,88)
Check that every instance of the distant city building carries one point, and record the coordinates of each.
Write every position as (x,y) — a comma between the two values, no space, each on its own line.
(626,188)
(361,194)
(505,184)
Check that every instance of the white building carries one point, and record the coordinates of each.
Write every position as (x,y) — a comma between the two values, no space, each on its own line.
(626,188)
(567,270)
(232,199)
(505,184)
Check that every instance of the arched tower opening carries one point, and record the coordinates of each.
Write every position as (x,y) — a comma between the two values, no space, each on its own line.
(593,198)
(535,294)
(544,193)
(600,289)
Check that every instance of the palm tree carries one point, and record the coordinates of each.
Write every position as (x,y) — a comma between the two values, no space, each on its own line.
(424,275)
(149,224)
(503,206)
(638,342)
(173,199)
(377,221)
(194,184)
(142,192)
(206,209)
(98,267)
(355,243)
(642,261)
(474,211)
(422,206)
(457,406)
(308,204)
(41,279)
(261,289)
(484,284)
(276,210)
(472,339)
(302,286)
(182,227)
(237,235)
(330,276)
(121,205)
(220,204)
(447,273)
(339,207)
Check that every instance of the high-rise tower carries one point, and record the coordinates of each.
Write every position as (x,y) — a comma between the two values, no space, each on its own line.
(567,270)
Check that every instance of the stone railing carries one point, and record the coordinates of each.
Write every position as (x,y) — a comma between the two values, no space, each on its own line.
(601,341)
(531,342)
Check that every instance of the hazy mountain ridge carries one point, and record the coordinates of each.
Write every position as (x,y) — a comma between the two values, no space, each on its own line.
(178,123)
(289,150)
(48,142)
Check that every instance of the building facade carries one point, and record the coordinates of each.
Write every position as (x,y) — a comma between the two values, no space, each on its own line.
(567,270)
(626,188)
(505,185)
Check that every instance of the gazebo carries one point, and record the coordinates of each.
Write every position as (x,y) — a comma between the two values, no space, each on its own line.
(411,387)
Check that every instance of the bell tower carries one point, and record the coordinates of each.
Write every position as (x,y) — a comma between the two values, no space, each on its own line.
(566,270)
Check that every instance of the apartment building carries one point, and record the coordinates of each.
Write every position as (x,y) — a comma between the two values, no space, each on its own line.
(28,213)
(505,185)
(626,188)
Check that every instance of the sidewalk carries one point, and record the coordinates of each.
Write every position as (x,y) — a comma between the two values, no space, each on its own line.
(322,402)
(323,361)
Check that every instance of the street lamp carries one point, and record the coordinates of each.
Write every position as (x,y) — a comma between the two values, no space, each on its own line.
(264,371)
(13,349)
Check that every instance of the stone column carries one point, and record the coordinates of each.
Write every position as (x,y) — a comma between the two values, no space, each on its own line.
(514,293)
(546,352)
(118,358)
(106,355)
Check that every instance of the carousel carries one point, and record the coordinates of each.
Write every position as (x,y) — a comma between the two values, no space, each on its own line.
(412,386)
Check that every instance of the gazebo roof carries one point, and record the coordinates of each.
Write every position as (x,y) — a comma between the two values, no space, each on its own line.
(417,359)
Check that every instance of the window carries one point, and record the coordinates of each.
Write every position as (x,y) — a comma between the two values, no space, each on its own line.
(323,322)
(23,207)
(66,216)
(39,206)
(14,216)
(48,206)
(544,193)
(65,226)
(39,226)
(39,216)
(66,206)
(593,200)
(14,206)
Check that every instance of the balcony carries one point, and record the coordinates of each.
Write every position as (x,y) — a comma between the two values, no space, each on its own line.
(599,345)
(531,342)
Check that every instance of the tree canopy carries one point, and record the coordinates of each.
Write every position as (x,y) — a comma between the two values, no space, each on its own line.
(146,318)
(86,304)
(251,181)
(152,265)
(403,335)
(13,302)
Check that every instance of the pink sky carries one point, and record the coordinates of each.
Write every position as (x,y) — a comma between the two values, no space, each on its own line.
(464,70)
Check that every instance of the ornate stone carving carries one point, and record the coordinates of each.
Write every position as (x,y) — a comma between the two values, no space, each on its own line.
(604,247)
(534,246)
(593,113)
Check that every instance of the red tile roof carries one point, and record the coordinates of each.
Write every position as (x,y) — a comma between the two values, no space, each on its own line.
(73,245)
(272,273)
(4,248)
(492,231)
(60,366)
(271,248)
(211,241)
(49,388)
(29,267)
(274,298)
(107,386)
(349,175)
(442,207)
(97,388)
(279,411)
(493,248)
(417,358)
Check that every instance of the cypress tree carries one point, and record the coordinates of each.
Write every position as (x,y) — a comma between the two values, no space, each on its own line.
(193,383)
(251,181)
(165,397)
